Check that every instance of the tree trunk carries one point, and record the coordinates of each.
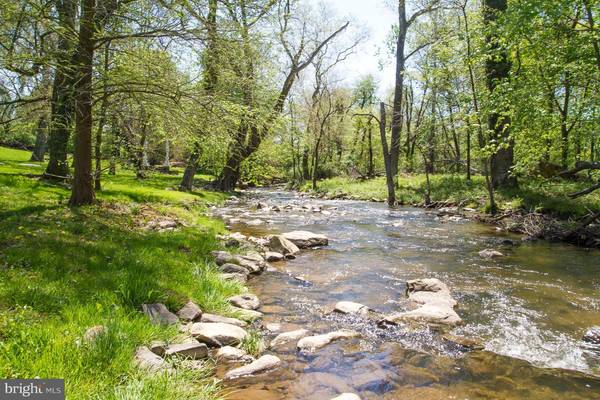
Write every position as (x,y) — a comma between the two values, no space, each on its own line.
(497,69)
(187,183)
(83,188)
(41,139)
(371,169)
(167,161)
(101,122)
(389,176)
(61,101)
(398,88)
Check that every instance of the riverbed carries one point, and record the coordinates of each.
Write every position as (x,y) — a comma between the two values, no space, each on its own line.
(528,308)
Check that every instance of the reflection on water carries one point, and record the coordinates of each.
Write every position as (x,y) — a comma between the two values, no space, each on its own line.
(530,308)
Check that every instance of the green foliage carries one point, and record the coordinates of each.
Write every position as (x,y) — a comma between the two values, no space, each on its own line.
(65,270)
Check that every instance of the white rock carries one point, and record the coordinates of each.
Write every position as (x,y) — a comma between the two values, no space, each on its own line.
(428,313)
(347,396)
(272,256)
(312,343)
(305,239)
(246,301)
(217,333)
(349,307)
(490,253)
(288,337)
(263,364)
(229,353)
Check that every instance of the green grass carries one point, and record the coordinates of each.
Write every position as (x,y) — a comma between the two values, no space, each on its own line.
(64,270)
(546,196)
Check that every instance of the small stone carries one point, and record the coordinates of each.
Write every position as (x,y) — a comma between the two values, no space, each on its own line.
(247,315)
(93,333)
(349,307)
(246,301)
(273,327)
(217,334)
(255,222)
(592,335)
(233,354)
(145,359)
(288,337)
(190,312)
(265,363)
(312,343)
(470,344)
(223,257)
(194,351)
(490,253)
(212,318)
(159,314)
(272,256)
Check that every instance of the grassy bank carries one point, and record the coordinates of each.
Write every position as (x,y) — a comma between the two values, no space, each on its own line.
(533,195)
(64,270)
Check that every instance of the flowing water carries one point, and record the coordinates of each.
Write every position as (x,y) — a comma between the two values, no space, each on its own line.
(530,308)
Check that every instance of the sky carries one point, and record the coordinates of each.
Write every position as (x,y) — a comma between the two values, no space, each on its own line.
(377,18)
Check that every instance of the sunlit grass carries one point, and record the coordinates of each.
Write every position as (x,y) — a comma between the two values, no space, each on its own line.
(64,270)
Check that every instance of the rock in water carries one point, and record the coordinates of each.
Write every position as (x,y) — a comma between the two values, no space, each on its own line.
(272,256)
(145,359)
(490,253)
(288,337)
(229,353)
(312,343)
(194,351)
(217,334)
(190,312)
(436,305)
(225,320)
(246,301)
(159,314)
(230,268)
(280,244)
(592,335)
(347,396)
(265,363)
(305,239)
(349,307)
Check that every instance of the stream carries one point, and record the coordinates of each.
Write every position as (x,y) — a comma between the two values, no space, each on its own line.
(529,308)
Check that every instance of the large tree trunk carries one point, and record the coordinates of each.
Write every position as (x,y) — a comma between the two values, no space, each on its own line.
(61,101)
(41,139)
(497,69)
(83,188)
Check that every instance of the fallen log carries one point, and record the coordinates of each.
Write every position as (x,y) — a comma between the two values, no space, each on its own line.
(585,191)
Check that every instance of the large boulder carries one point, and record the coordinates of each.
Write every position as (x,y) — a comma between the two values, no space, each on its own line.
(263,364)
(212,318)
(280,244)
(429,314)
(230,268)
(349,307)
(190,312)
(287,337)
(247,301)
(305,239)
(217,334)
(312,343)
(159,314)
